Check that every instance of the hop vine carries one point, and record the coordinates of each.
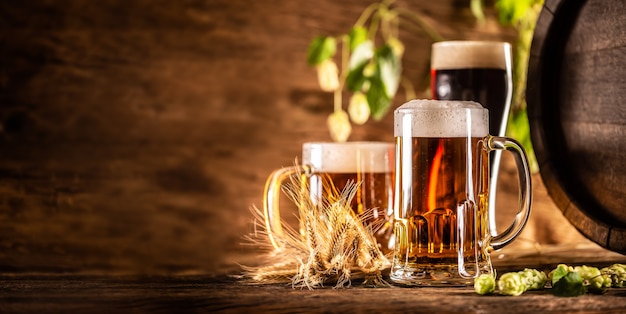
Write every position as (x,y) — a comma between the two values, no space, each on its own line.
(370,66)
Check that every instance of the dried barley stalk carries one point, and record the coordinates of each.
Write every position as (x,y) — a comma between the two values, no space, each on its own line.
(336,242)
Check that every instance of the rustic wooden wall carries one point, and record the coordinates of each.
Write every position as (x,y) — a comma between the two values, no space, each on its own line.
(135,135)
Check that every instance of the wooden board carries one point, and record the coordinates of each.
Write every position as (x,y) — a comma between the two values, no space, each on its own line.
(207,294)
(576,92)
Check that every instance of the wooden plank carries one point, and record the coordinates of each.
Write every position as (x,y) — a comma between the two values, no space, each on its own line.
(28,294)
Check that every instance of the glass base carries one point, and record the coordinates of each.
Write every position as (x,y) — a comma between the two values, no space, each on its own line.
(434,275)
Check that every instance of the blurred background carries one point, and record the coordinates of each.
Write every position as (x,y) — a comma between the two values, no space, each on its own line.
(135,135)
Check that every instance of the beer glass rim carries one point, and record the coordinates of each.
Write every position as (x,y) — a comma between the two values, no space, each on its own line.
(441,118)
(346,157)
(453,43)
(415,105)
(471,54)
(359,144)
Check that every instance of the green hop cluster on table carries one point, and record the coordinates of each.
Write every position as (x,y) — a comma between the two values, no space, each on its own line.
(573,281)
(617,273)
(513,283)
(533,279)
(566,281)
(485,284)
(594,279)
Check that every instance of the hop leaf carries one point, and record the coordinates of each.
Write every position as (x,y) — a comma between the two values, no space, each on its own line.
(484,284)
(511,11)
(511,284)
(359,63)
(362,54)
(321,49)
(356,36)
(570,285)
(339,126)
(556,274)
(390,69)
(533,279)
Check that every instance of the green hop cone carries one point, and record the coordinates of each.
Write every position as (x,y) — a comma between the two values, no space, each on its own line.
(339,126)
(485,284)
(617,273)
(533,279)
(595,281)
(511,284)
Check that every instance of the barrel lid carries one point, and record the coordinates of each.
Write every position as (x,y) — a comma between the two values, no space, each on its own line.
(576,96)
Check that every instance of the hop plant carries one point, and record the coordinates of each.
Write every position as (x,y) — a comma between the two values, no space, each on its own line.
(617,273)
(366,62)
(511,284)
(594,280)
(485,284)
(533,279)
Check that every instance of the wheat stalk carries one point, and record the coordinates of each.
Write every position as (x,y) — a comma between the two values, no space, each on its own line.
(336,242)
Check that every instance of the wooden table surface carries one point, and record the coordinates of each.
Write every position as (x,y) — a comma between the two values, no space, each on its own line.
(225,291)
(112,294)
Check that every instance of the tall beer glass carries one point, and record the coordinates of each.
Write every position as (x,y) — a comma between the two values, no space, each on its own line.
(479,71)
(441,198)
(369,164)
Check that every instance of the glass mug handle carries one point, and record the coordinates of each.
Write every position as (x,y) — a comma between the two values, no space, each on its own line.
(467,209)
(271,197)
(492,143)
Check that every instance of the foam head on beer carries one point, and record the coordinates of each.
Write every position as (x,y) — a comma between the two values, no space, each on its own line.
(470,54)
(348,157)
(441,118)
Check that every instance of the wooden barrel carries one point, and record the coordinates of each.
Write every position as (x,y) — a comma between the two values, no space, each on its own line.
(576,97)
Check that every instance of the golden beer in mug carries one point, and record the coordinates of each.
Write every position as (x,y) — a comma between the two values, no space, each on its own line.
(441,207)
(328,167)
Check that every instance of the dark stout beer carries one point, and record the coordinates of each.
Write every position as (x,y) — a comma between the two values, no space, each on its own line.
(487,86)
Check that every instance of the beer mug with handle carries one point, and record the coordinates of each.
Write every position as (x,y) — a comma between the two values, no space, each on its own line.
(441,199)
(367,164)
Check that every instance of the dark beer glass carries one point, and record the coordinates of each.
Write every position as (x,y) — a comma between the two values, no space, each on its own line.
(476,71)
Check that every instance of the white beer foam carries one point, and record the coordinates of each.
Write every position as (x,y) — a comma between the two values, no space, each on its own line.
(470,54)
(349,157)
(441,118)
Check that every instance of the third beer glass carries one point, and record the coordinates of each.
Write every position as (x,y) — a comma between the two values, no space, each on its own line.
(441,199)
(478,71)
(370,164)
